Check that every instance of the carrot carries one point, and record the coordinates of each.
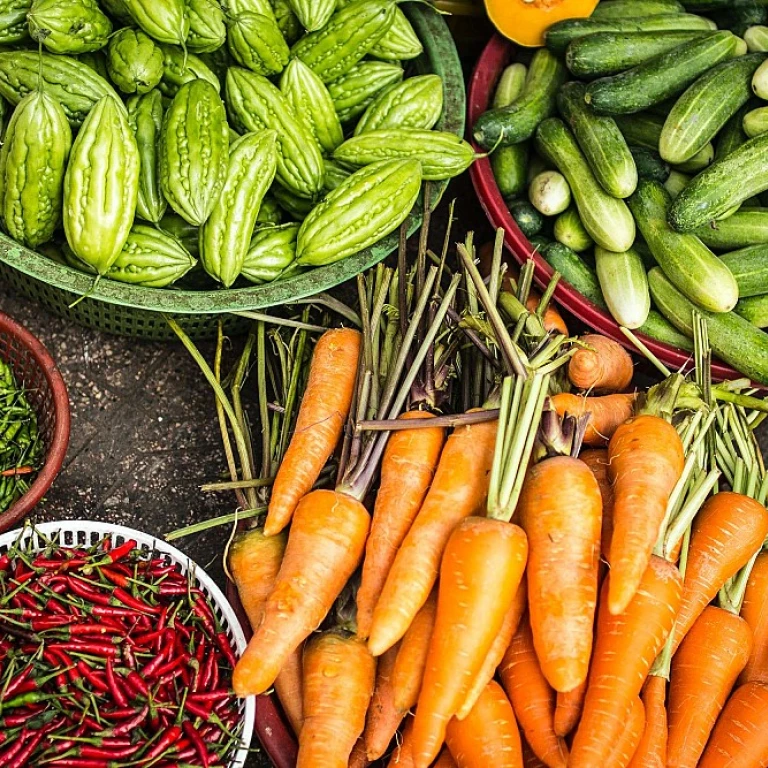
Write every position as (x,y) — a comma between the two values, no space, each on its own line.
(530,760)
(407,468)
(402,754)
(254,561)
(646,460)
(383,719)
(602,366)
(498,649)
(339,675)
(480,572)
(319,424)
(445,760)
(412,656)
(488,735)
(740,738)
(704,670)
(324,548)
(459,488)
(652,750)
(597,460)
(606,413)
(625,646)
(626,746)
(288,687)
(727,532)
(358,758)
(532,698)
(568,708)
(560,510)
(754,611)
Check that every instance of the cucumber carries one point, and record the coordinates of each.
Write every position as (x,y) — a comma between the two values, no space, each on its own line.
(706,106)
(560,34)
(642,130)
(608,53)
(620,9)
(748,226)
(688,263)
(754,309)
(676,182)
(755,122)
(644,252)
(729,181)
(741,16)
(732,136)
(760,81)
(649,164)
(511,85)
(510,169)
(601,141)
(549,193)
(517,122)
(606,218)
(527,218)
(539,241)
(732,338)
(699,161)
(536,165)
(750,268)
(661,77)
(757,38)
(659,328)
(569,231)
(574,271)
(624,286)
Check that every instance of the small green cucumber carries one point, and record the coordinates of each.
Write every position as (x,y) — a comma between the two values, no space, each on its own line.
(649,164)
(510,86)
(750,268)
(659,328)
(601,141)
(701,160)
(569,231)
(510,169)
(732,338)
(754,309)
(574,271)
(624,286)
(756,38)
(663,76)
(527,218)
(518,121)
(748,226)
(706,106)
(688,263)
(732,136)
(755,122)
(606,218)
(676,182)
(549,193)
(620,9)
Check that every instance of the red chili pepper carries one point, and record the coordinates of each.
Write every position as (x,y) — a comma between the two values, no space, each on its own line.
(82,646)
(119,553)
(148,638)
(114,686)
(92,677)
(21,759)
(168,742)
(112,612)
(222,693)
(169,667)
(150,669)
(222,640)
(127,653)
(166,590)
(137,682)
(132,602)
(199,709)
(203,612)
(48,564)
(5,561)
(81,762)
(91,724)
(108,752)
(50,622)
(27,601)
(119,579)
(14,749)
(87,592)
(17,681)
(119,713)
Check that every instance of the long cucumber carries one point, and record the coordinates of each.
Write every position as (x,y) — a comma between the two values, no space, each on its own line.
(732,338)
(750,268)
(754,309)
(686,261)
(659,328)
(574,271)
(606,218)
(600,140)
(706,106)
(727,183)
(748,226)
(620,9)
(624,285)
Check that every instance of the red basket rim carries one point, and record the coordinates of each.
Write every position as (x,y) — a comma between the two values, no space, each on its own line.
(57,450)
(496,54)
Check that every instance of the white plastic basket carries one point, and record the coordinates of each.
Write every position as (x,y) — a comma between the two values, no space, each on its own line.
(87,532)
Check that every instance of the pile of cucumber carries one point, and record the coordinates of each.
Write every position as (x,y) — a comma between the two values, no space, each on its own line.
(632,152)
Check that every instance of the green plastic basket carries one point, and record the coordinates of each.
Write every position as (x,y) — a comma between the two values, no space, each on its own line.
(141,312)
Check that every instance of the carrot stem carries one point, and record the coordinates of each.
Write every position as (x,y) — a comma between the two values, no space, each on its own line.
(665,372)
(549,292)
(205,525)
(449,420)
(272,320)
(232,485)
(699,492)
(328,301)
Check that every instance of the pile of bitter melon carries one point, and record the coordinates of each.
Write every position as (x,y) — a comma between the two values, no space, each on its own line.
(254,139)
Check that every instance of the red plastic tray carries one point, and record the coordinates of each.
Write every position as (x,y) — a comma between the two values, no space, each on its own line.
(496,55)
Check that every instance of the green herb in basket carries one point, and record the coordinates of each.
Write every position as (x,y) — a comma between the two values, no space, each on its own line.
(21,450)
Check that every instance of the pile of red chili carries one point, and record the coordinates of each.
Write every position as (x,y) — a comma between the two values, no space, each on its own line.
(110,657)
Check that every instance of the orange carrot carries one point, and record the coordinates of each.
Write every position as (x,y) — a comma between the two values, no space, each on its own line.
(626,746)
(459,488)
(597,460)
(319,424)
(625,647)
(402,754)
(324,548)
(339,675)
(488,735)
(568,710)
(740,738)
(532,698)
(412,656)
(530,760)
(754,611)
(646,460)
(602,366)
(254,562)
(288,687)
(498,649)
(407,468)
(652,749)
(727,532)
(560,510)
(445,760)
(704,670)
(606,413)
(383,719)
(358,758)
(480,572)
